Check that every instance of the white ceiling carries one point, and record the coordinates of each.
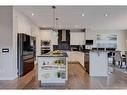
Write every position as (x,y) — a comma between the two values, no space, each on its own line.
(70,16)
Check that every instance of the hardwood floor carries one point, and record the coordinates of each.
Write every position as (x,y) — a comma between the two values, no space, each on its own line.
(78,79)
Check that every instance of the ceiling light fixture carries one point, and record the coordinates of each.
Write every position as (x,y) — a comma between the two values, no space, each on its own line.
(105,14)
(32,14)
(83,14)
(54,17)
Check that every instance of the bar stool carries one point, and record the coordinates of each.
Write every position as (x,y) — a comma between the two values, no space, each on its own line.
(118,58)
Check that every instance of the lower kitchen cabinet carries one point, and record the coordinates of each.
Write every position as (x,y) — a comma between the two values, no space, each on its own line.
(76,56)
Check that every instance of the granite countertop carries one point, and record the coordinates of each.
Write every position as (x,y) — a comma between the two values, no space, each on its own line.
(99,51)
(73,51)
(54,55)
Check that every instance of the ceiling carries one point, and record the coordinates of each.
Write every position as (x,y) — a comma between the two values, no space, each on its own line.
(95,17)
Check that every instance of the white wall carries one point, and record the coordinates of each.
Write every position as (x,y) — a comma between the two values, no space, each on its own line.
(46,35)
(92,35)
(25,25)
(77,38)
(7,67)
(35,31)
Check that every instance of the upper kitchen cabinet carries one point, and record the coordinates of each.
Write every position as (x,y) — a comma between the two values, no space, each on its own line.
(49,35)
(77,37)
(64,36)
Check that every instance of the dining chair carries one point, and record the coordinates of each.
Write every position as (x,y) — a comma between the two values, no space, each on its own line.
(118,58)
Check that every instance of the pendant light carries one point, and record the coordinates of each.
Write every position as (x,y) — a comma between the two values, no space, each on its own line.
(54,17)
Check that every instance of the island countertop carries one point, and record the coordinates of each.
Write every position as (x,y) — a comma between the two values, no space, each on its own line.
(54,55)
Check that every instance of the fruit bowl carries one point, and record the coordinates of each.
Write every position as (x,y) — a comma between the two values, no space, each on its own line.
(56,52)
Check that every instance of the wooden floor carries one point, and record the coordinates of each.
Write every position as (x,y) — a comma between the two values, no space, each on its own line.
(78,79)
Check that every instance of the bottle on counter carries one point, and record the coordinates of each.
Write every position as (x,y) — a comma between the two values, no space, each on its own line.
(58,74)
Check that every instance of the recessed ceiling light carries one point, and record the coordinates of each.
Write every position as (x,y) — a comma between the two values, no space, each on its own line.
(59,26)
(105,14)
(83,14)
(32,14)
(76,26)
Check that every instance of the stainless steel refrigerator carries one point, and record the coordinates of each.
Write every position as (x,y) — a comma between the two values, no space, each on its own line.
(25,53)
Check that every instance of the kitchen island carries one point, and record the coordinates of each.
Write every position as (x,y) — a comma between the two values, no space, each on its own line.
(98,61)
(52,69)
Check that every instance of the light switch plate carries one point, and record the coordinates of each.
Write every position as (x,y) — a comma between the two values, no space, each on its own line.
(5,50)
